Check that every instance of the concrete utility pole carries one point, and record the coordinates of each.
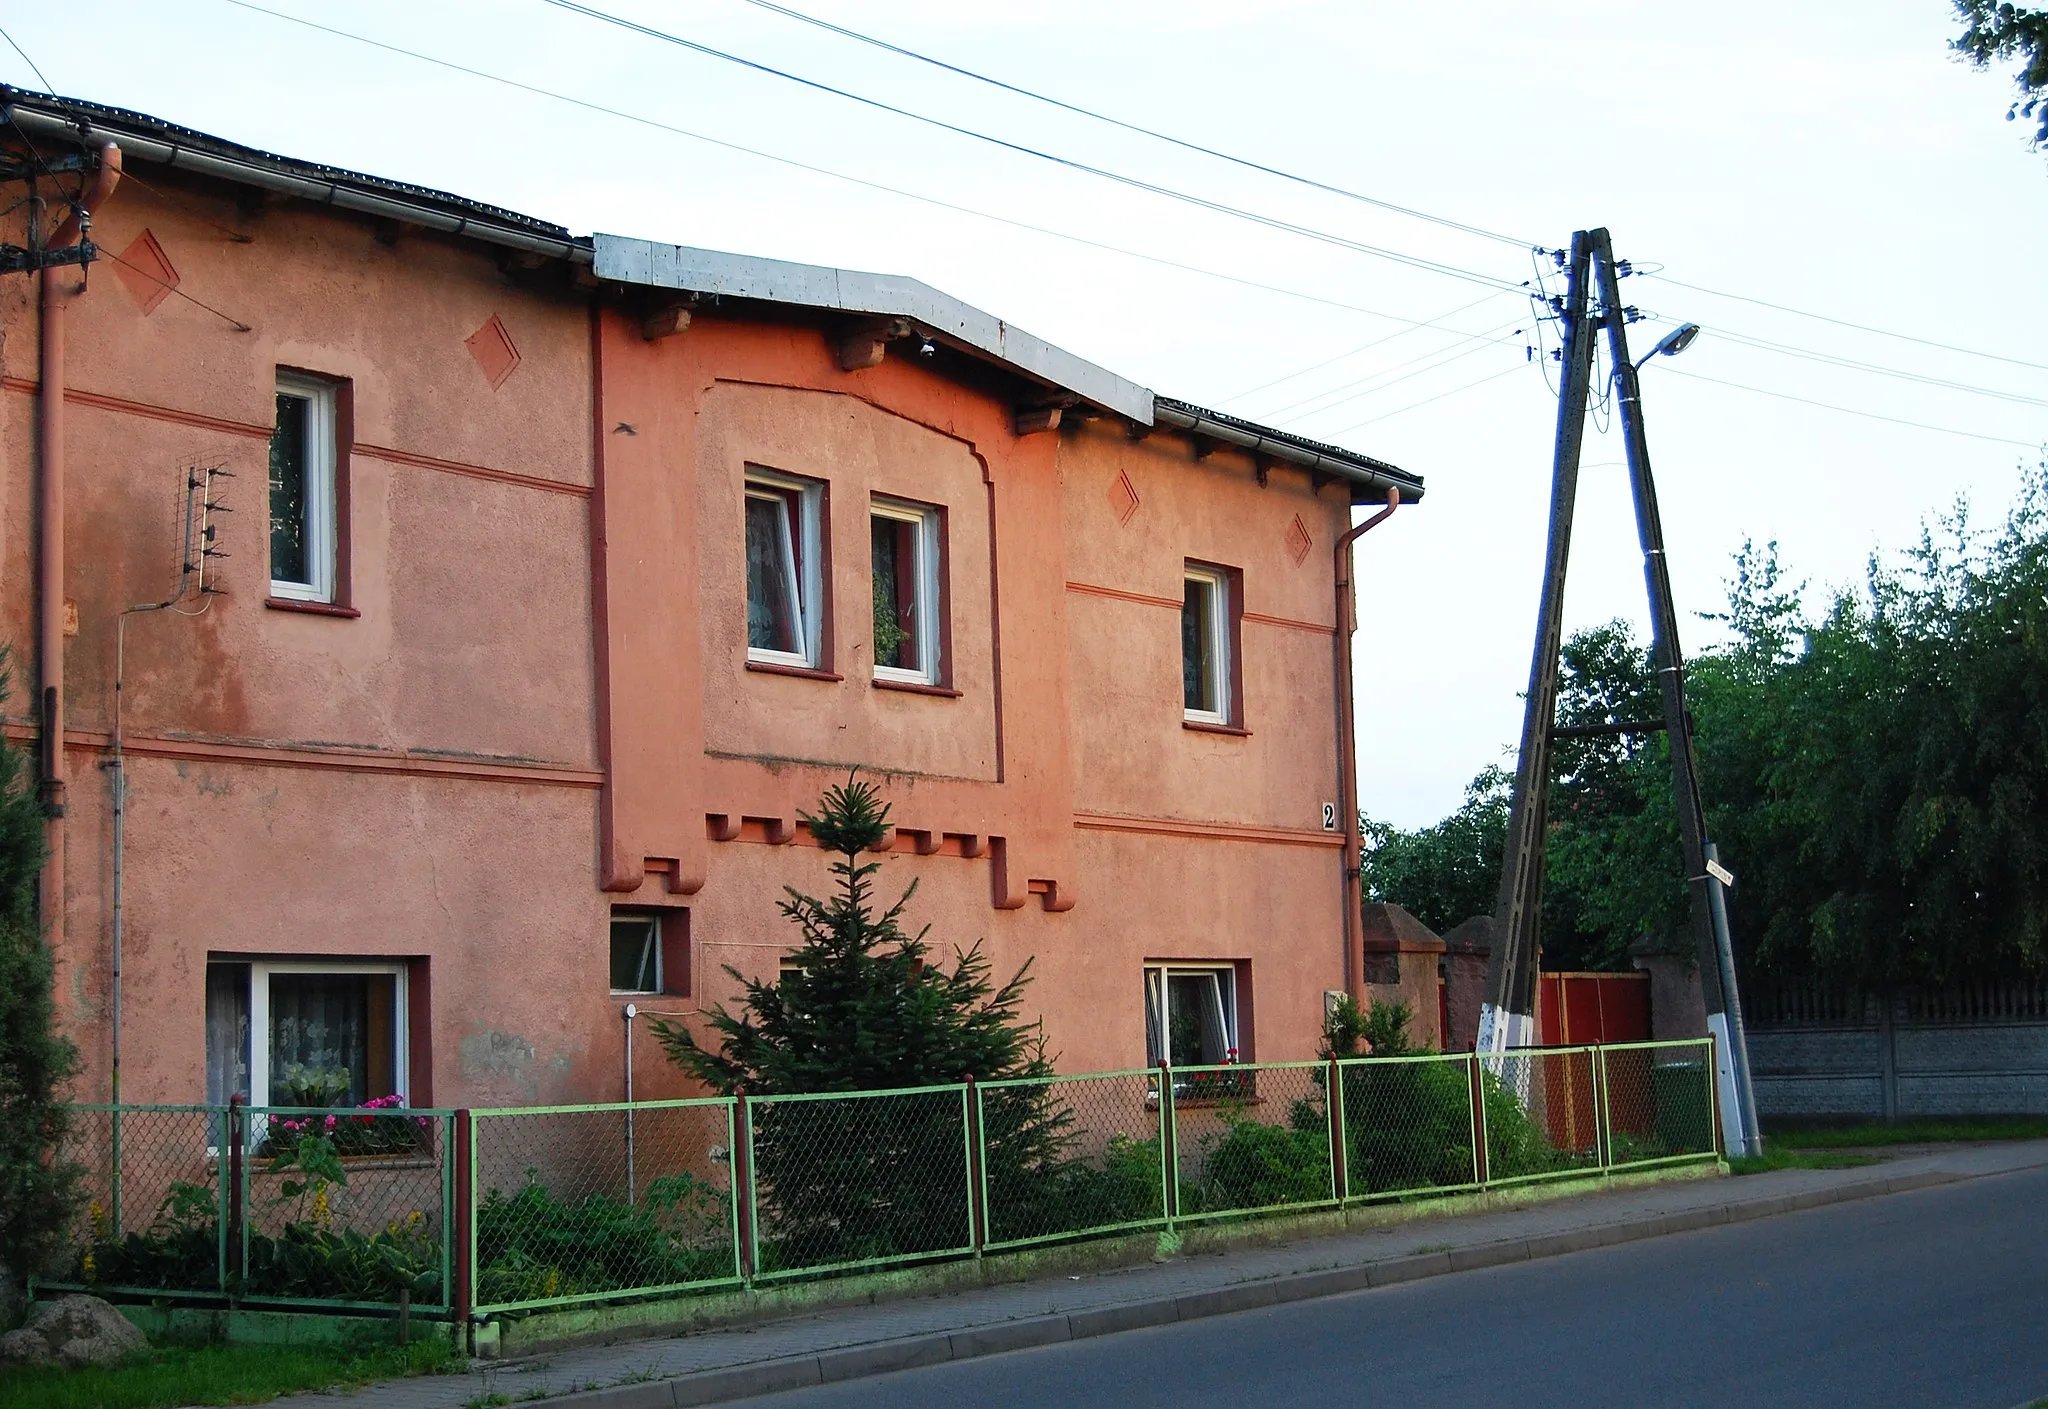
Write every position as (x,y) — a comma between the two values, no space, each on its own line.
(1507,1018)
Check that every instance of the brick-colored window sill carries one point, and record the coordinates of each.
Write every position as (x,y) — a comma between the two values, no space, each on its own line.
(1200,728)
(912,687)
(293,604)
(801,672)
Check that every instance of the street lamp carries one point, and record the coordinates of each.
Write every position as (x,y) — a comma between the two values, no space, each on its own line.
(1673,343)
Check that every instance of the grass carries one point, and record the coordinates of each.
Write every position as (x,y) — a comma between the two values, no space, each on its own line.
(1911,1132)
(1778,1156)
(173,1376)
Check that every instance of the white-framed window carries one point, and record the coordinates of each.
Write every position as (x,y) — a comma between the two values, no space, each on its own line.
(1191,1014)
(904,554)
(311,1032)
(302,491)
(636,954)
(785,572)
(1205,621)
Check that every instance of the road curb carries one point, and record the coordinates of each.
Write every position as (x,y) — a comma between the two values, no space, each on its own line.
(883,1357)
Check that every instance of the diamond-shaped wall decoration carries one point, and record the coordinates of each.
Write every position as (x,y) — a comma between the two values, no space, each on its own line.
(493,349)
(1123,497)
(146,272)
(1298,540)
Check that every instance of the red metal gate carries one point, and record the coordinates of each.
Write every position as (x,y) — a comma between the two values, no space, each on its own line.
(1575,1010)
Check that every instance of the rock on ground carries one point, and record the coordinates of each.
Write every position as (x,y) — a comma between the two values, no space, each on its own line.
(72,1331)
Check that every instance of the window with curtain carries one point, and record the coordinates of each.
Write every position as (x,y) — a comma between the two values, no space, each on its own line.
(784,583)
(1190,1015)
(287,1033)
(904,555)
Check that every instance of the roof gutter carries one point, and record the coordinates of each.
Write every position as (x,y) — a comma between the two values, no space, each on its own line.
(1371,477)
(138,147)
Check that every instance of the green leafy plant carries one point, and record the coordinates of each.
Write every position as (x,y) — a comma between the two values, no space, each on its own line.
(39,1193)
(532,1246)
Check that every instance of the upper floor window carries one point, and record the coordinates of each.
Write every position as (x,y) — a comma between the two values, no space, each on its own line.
(1206,624)
(785,578)
(303,498)
(904,550)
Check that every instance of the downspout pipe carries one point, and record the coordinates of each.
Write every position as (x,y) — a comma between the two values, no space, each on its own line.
(56,292)
(1347,737)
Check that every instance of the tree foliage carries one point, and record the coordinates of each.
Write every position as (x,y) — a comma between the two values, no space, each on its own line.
(37,1189)
(1997,30)
(1876,771)
(861,1006)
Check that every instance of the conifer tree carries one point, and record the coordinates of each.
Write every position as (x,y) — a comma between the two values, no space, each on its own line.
(861,1005)
(37,1189)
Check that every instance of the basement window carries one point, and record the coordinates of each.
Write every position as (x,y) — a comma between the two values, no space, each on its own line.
(785,579)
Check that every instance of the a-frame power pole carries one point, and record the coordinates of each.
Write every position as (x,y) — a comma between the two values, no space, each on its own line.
(1507,1019)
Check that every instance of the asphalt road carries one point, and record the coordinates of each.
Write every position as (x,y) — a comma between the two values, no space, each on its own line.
(1936,1297)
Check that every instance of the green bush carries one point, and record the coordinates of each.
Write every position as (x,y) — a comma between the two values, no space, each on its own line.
(531,1246)
(1252,1164)
(1407,1125)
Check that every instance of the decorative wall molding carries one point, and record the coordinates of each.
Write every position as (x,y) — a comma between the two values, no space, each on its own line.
(1207,831)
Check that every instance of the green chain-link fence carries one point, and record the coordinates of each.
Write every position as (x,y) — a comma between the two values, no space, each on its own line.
(585,1203)
(1409,1126)
(1251,1138)
(456,1213)
(1071,1156)
(861,1179)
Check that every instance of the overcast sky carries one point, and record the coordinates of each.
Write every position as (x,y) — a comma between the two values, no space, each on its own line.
(1830,157)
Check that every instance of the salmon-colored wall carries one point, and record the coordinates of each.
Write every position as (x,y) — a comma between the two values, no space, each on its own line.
(540,713)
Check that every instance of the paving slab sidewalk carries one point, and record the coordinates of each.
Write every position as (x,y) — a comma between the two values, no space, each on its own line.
(713,1366)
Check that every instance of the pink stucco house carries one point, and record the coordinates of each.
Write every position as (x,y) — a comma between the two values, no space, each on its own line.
(472,605)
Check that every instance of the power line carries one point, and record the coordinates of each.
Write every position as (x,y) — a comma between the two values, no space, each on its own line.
(1843,322)
(1134,182)
(1375,420)
(1480,342)
(814,170)
(1851,411)
(1851,364)
(1343,356)
(33,67)
(1157,135)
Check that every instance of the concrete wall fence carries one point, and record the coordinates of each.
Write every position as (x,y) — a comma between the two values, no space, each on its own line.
(1963,1051)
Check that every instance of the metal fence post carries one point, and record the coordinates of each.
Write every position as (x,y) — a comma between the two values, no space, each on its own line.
(1476,1085)
(1714,1093)
(743,1191)
(1169,1147)
(237,1233)
(976,1136)
(462,1233)
(1603,1109)
(1340,1178)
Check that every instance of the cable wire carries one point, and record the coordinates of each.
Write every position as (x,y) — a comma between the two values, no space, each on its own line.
(1401,411)
(1852,411)
(795,164)
(1843,322)
(1480,342)
(1135,183)
(1342,356)
(1154,133)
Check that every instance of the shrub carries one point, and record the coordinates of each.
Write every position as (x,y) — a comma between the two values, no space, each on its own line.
(531,1246)
(1256,1165)
(38,1190)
